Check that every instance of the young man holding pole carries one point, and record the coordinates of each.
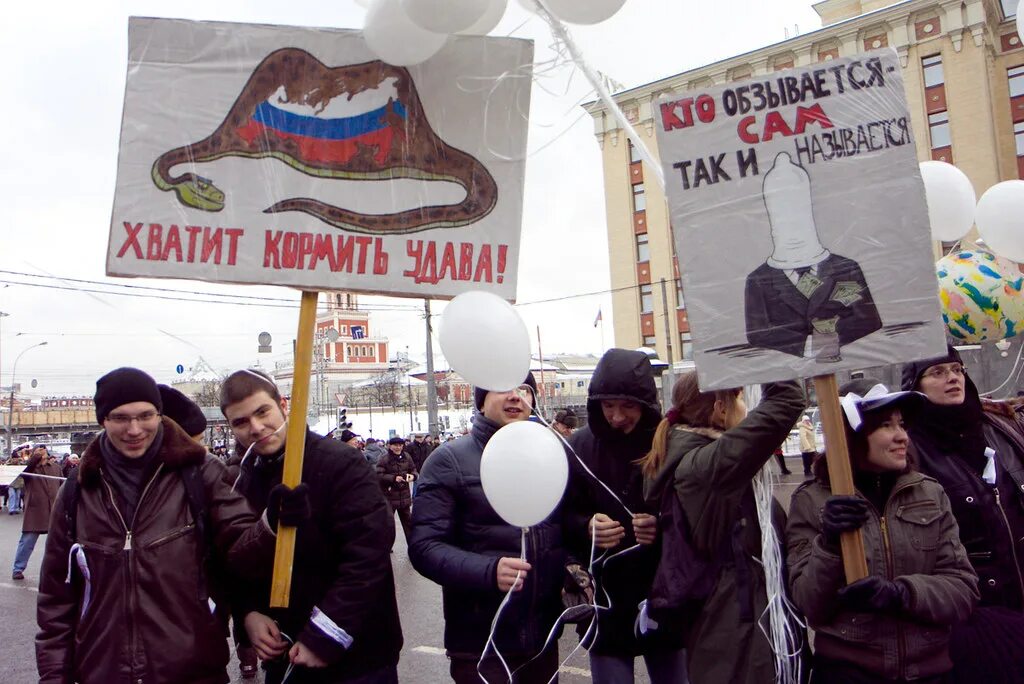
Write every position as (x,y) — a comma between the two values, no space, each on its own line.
(341,624)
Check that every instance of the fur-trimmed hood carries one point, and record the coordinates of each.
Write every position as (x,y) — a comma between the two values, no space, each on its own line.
(177,451)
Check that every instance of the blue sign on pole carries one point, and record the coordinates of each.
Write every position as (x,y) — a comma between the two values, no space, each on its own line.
(180,368)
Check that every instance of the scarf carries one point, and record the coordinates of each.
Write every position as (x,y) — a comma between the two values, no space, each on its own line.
(127,476)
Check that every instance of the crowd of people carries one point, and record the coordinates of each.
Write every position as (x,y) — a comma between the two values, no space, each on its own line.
(667,546)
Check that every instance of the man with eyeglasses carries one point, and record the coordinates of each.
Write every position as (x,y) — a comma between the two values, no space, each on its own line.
(126,593)
(974,447)
(460,542)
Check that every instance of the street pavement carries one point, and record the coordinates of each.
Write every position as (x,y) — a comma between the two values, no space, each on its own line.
(423,660)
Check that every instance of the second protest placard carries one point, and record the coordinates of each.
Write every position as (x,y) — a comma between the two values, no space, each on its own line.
(800,222)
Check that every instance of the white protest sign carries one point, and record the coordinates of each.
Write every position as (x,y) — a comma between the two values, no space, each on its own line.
(800,222)
(291,156)
(9,473)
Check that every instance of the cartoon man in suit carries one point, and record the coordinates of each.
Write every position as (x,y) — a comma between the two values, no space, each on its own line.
(804,300)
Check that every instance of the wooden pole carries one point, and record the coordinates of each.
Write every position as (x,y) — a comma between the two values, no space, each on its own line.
(840,473)
(284,553)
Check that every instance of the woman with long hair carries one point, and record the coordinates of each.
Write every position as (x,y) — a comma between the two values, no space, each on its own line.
(893,625)
(709,452)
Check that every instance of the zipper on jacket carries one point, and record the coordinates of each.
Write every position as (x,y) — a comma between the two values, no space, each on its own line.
(890,569)
(1013,546)
(129,566)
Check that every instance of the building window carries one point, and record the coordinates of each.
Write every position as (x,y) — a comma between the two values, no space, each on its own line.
(1016,76)
(686,344)
(1018,136)
(579,383)
(646,299)
(938,128)
(643,250)
(933,75)
(650,340)
(634,153)
(639,199)
(680,304)
(1009,8)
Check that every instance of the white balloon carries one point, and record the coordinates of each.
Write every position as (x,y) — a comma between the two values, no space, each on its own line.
(485,341)
(951,200)
(1020,33)
(444,16)
(491,17)
(579,11)
(1000,219)
(395,39)
(523,472)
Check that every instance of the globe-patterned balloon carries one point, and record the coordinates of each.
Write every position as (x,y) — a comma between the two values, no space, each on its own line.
(981,296)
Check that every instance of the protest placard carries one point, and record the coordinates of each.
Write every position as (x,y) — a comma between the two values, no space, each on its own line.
(9,473)
(292,156)
(800,222)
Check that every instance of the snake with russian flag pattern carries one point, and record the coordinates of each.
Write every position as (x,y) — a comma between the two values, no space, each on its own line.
(357,122)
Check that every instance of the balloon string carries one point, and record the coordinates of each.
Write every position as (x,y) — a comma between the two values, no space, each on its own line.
(580,460)
(561,34)
(593,628)
(497,615)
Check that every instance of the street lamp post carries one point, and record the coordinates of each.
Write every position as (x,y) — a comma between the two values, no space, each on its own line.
(10,405)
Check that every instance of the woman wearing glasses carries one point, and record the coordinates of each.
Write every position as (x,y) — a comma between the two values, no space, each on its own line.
(975,449)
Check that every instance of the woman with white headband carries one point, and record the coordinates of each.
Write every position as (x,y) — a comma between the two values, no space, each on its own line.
(893,625)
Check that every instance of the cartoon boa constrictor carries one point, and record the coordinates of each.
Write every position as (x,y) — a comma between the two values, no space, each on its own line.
(407,148)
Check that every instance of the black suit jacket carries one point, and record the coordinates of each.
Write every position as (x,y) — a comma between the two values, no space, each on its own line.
(780,317)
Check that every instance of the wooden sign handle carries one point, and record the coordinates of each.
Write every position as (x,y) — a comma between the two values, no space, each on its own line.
(284,553)
(840,472)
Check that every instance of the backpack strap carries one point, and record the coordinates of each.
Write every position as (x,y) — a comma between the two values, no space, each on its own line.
(192,479)
(69,497)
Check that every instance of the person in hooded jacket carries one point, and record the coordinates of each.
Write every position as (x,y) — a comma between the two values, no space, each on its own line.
(623,413)
(708,450)
(893,625)
(460,542)
(975,449)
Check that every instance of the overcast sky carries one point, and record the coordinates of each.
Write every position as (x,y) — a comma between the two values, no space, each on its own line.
(65,86)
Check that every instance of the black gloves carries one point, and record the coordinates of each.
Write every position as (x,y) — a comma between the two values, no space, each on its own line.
(842,514)
(874,595)
(288,506)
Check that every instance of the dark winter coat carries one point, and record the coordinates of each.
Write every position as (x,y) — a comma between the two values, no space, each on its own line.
(388,468)
(611,455)
(40,494)
(148,619)
(419,451)
(711,473)
(342,604)
(913,540)
(457,540)
(948,443)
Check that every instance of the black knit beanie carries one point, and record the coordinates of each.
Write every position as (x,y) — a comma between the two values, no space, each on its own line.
(123,386)
(479,393)
(182,410)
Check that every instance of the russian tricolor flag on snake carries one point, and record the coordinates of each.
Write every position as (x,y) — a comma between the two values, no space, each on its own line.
(331,132)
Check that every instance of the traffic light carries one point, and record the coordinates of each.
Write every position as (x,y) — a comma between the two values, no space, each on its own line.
(343,421)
